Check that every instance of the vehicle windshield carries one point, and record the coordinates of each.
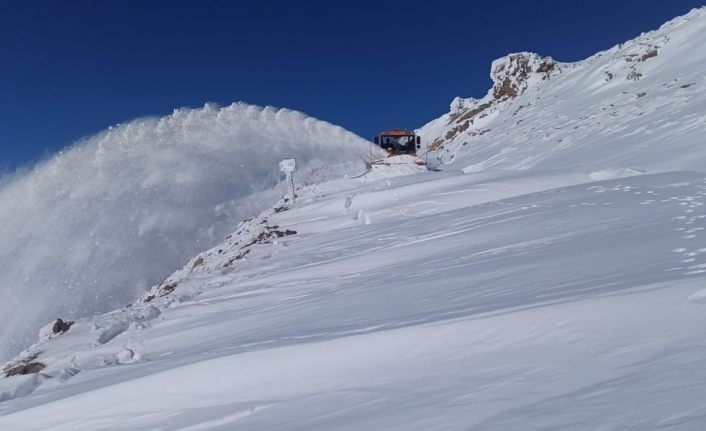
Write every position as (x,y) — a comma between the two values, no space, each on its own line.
(402,141)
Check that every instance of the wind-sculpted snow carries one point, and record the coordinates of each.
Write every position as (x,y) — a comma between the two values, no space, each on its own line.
(494,301)
(89,229)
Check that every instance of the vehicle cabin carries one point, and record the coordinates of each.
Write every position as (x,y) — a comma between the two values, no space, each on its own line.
(398,141)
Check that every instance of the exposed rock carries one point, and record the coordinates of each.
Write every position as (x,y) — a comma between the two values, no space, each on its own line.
(167,289)
(470,115)
(24,366)
(24,369)
(198,262)
(437,144)
(547,66)
(236,258)
(270,232)
(60,326)
(634,75)
(459,106)
(456,130)
(506,90)
(649,54)
(511,74)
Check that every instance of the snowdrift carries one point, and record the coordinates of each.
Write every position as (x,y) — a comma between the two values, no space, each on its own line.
(89,229)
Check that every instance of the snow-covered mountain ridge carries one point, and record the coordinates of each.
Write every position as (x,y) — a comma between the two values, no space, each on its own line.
(610,112)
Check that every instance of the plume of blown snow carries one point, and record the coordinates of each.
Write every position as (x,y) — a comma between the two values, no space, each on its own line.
(89,229)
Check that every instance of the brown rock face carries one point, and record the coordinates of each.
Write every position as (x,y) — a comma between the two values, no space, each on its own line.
(437,144)
(469,114)
(546,67)
(511,76)
(505,91)
(24,369)
(456,130)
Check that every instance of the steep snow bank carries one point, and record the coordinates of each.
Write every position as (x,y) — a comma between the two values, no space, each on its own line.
(87,230)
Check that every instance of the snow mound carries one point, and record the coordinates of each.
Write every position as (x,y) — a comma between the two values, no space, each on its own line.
(97,224)
(612,174)
(699,296)
(394,166)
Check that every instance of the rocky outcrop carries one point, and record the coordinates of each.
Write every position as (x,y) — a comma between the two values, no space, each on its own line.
(512,75)
(24,369)
(24,366)
(538,108)
(60,326)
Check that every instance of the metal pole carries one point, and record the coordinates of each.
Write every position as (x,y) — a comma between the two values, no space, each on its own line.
(290,179)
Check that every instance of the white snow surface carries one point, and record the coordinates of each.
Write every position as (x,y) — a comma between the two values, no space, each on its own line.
(551,277)
(91,228)
(442,300)
(639,105)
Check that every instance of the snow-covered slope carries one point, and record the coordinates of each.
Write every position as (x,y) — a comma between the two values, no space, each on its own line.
(89,229)
(639,105)
(569,298)
(487,301)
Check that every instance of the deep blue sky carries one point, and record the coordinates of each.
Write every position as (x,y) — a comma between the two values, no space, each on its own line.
(71,68)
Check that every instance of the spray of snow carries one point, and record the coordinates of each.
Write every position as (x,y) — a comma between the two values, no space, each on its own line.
(92,227)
